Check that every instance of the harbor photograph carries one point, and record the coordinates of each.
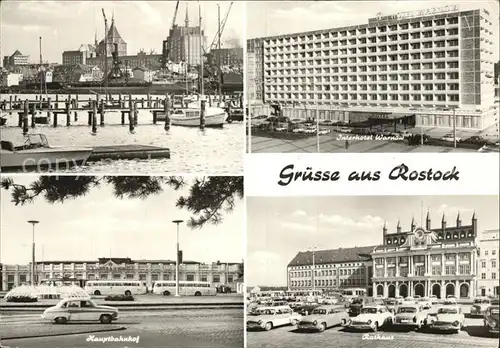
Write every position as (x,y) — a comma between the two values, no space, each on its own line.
(372,271)
(84,91)
(355,77)
(137,261)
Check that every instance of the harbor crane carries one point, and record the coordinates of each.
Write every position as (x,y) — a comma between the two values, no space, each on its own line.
(168,43)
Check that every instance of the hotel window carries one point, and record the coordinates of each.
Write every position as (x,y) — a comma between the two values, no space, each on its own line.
(116,276)
(450,270)
(436,270)
(419,270)
(403,271)
(493,263)
(493,275)
(486,253)
(464,269)
(493,252)
(483,264)
(483,275)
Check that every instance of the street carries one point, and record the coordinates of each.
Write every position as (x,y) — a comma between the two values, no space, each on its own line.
(289,337)
(172,328)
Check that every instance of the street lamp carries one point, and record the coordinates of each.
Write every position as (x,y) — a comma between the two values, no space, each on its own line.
(177,222)
(454,129)
(313,249)
(33,223)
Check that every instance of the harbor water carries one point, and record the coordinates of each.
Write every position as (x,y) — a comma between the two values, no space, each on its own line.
(215,151)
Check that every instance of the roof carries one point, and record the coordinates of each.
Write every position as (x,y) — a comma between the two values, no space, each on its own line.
(16,53)
(355,254)
(113,32)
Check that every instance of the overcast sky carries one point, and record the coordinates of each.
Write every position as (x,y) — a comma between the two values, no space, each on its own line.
(278,228)
(65,25)
(99,225)
(268,18)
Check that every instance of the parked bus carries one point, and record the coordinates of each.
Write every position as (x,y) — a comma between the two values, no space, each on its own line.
(115,287)
(353,293)
(186,288)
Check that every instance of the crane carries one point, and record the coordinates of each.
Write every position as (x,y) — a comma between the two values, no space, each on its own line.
(167,42)
(223,24)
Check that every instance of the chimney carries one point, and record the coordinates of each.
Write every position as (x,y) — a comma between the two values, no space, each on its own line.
(474,223)
(413,223)
(384,229)
(428,221)
(459,222)
(398,228)
(443,222)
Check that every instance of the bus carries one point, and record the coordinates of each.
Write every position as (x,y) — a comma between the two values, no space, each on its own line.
(186,288)
(353,293)
(115,287)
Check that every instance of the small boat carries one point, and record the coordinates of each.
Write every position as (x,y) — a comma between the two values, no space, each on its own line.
(3,119)
(190,117)
(36,154)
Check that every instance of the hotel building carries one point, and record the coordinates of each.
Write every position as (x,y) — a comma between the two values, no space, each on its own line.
(434,65)
(147,271)
(427,261)
(487,266)
(331,269)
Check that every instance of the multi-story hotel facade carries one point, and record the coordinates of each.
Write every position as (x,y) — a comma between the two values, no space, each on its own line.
(435,65)
(427,261)
(487,267)
(331,269)
(147,271)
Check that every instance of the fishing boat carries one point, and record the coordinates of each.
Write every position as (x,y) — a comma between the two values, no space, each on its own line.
(190,116)
(36,153)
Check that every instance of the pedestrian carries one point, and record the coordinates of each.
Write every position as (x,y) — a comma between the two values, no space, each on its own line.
(347,144)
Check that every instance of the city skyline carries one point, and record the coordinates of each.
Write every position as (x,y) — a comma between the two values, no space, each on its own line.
(298,224)
(23,22)
(279,18)
(101,225)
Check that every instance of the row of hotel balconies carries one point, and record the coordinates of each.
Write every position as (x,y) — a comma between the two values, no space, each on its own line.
(365,98)
(94,268)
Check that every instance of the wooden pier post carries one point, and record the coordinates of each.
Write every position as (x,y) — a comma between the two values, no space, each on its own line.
(49,113)
(136,114)
(56,105)
(130,103)
(33,113)
(68,114)
(166,108)
(123,117)
(94,116)
(120,100)
(101,111)
(15,98)
(148,104)
(10,102)
(202,115)
(25,117)
(131,124)
(76,102)
(142,103)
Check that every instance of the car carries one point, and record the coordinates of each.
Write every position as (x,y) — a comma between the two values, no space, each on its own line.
(271,317)
(324,132)
(479,306)
(80,309)
(306,308)
(356,305)
(449,137)
(324,317)
(297,120)
(450,300)
(491,319)
(409,300)
(425,302)
(447,318)
(345,130)
(434,300)
(327,122)
(330,300)
(281,129)
(414,316)
(371,318)
(405,134)
(392,304)
(477,140)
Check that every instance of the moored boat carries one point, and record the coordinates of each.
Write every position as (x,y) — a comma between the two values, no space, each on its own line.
(36,154)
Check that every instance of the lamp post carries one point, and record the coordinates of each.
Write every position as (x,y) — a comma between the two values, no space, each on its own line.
(33,223)
(454,129)
(313,249)
(177,222)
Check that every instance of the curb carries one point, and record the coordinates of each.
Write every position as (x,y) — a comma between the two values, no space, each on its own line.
(120,328)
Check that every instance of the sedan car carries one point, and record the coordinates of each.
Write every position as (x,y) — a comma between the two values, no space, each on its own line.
(324,317)
(269,318)
(449,137)
(371,318)
(80,309)
(447,318)
(491,319)
(392,304)
(480,306)
(435,300)
(412,316)
(450,300)
(345,130)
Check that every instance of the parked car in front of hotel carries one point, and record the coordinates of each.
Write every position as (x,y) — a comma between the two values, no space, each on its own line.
(392,304)
(447,318)
(434,300)
(371,318)
(480,306)
(492,319)
(413,316)
(80,309)
(270,317)
(324,317)
(450,300)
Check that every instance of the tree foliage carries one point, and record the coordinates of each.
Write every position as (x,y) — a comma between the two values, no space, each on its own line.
(208,199)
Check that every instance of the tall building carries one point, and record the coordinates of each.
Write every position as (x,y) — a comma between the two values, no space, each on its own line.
(427,261)
(113,38)
(255,69)
(186,43)
(142,60)
(74,58)
(16,59)
(487,267)
(147,271)
(436,64)
(331,269)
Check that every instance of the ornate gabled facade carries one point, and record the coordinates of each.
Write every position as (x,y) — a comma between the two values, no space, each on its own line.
(427,261)
(113,38)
